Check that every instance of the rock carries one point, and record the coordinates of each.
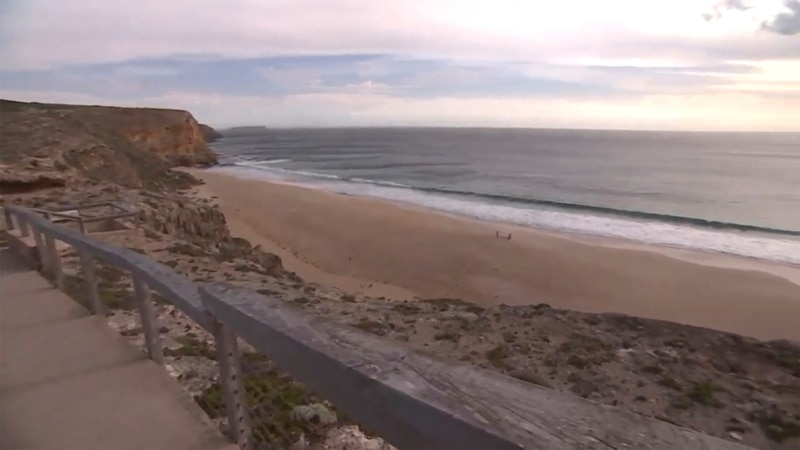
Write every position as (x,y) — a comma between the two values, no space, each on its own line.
(19,182)
(172,371)
(351,438)
(269,262)
(735,436)
(459,315)
(314,412)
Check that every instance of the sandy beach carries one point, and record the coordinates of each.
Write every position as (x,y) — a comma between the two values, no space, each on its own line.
(385,249)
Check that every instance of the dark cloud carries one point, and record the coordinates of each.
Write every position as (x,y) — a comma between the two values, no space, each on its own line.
(787,23)
(724,6)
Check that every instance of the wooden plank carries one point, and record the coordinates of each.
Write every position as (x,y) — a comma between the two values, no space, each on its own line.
(417,402)
(49,214)
(106,217)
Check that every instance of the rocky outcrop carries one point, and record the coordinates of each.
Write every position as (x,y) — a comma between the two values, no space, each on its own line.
(132,147)
(183,219)
(16,182)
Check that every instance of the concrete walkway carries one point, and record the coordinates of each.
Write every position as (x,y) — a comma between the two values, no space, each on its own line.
(67,381)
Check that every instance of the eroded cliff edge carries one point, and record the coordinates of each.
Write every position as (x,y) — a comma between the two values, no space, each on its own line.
(48,145)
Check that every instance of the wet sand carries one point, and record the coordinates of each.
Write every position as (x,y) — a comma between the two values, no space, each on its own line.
(386,249)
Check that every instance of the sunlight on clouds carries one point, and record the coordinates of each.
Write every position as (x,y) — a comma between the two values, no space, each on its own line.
(771,77)
(568,63)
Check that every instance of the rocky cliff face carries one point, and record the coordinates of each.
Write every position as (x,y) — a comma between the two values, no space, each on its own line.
(173,135)
(209,134)
(133,147)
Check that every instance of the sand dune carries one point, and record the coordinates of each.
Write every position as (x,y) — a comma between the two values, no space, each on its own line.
(387,249)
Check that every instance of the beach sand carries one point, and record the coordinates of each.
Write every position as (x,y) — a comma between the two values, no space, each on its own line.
(385,249)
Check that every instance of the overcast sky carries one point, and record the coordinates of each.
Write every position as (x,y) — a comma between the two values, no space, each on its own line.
(624,64)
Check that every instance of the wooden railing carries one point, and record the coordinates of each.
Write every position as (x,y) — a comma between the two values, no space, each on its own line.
(62,213)
(412,401)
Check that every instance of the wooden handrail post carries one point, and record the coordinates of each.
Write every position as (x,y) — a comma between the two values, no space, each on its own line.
(55,262)
(41,250)
(230,376)
(82,225)
(90,283)
(23,226)
(9,220)
(148,318)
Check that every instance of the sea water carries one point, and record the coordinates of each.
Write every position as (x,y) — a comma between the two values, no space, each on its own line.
(736,193)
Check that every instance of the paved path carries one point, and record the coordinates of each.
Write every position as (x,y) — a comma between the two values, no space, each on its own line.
(67,381)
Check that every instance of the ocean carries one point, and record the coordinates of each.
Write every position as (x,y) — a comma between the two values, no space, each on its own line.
(736,193)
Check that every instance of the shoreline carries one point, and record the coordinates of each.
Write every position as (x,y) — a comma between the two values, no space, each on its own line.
(403,251)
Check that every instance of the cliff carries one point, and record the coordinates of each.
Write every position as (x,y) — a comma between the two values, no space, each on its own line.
(209,134)
(132,147)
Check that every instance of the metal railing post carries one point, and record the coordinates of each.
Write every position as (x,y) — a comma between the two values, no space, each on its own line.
(148,318)
(230,375)
(90,283)
(55,262)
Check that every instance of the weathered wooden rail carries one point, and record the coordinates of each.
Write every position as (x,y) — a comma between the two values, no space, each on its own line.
(412,401)
(61,213)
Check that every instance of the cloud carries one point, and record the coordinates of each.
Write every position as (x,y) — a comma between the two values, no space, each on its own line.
(786,23)
(726,5)
(52,33)
(402,77)
(307,62)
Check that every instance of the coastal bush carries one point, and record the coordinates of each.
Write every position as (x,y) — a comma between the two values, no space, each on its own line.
(509,337)
(652,368)
(275,404)
(703,393)
(113,296)
(191,346)
(406,309)
(680,402)
(577,361)
(777,427)
(447,336)
(184,248)
(497,355)
(670,383)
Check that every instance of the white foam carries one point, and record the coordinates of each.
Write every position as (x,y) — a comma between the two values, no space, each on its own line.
(651,232)
(259,163)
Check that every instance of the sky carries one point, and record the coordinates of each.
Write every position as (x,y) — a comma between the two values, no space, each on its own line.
(618,64)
